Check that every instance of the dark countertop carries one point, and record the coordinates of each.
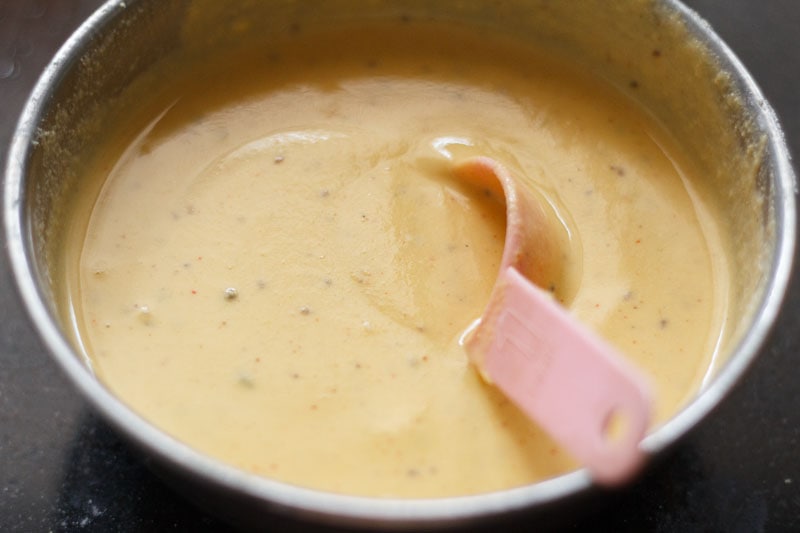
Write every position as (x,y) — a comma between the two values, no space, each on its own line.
(63,469)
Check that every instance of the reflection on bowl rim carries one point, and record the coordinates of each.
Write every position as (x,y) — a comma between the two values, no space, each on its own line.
(355,509)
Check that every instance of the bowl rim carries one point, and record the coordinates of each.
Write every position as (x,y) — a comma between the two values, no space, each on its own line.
(347,509)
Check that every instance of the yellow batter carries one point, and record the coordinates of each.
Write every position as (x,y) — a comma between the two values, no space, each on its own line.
(279,266)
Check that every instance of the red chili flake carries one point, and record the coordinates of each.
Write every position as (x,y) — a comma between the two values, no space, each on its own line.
(194,291)
(638,241)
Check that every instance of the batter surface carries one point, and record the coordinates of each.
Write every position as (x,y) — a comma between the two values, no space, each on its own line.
(278,267)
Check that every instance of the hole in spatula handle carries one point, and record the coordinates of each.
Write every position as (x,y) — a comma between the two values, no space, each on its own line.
(616,426)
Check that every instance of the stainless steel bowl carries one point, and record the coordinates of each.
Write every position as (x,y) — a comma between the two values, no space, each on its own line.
(700,92)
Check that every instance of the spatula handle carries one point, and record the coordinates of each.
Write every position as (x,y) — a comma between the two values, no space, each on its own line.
(567,379)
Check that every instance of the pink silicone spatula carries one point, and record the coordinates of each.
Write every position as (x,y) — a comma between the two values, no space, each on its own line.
(558,372)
